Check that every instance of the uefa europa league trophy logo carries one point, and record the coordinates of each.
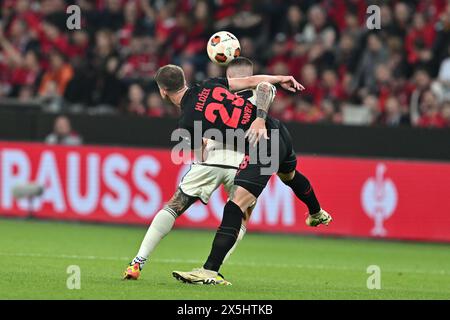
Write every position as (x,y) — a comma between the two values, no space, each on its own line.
(379,199)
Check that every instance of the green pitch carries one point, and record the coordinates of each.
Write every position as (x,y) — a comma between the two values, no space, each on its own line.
(34,257)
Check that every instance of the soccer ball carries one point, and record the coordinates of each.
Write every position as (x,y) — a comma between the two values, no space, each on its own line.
(223,47)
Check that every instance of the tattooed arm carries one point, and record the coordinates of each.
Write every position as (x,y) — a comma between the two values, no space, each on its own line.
(265,93)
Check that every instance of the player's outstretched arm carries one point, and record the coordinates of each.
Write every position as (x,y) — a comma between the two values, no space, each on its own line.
(286,82)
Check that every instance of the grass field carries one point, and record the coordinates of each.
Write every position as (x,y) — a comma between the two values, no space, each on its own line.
(34,257)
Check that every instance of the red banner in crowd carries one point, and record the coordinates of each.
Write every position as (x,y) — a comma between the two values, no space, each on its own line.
(368,198)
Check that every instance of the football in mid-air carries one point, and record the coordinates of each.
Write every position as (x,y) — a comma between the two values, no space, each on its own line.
(223,47)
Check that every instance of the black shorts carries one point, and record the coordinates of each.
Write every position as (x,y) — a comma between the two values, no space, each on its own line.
(250,177)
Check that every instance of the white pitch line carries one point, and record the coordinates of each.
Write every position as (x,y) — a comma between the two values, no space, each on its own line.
(239,264)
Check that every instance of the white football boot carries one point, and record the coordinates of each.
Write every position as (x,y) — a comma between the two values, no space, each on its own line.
(201,276)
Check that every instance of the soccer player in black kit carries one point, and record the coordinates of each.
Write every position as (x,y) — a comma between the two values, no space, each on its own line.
(212,105)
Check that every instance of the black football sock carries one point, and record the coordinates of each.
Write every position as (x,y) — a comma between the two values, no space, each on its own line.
(304,191)
(226,236)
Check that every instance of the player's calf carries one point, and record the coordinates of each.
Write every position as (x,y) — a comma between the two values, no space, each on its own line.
(226,236)
(305,192)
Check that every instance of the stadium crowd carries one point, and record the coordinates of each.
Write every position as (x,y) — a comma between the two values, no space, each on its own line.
(397,75)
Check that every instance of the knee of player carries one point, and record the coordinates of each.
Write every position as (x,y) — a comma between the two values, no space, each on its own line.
(243,204)
(234,209)
(248,213)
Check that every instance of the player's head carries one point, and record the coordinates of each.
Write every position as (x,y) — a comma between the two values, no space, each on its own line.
(240,67)
(170,79)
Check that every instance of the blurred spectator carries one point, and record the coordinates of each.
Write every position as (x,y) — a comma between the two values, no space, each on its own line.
(26,94)
(248,46)
(331,88)
(111,17)
(279,51)
(63,133)
(126,30)
(142,62)
(346,55)
(419,40)
(421,84)
(79,90)
(372,105)
(189,71)
(56,78)
(298,57)
(32,69)
(295,22)
(318,27)
(19,69)
(393,115)
(331,111)
(51,38)
(282,108)
(155,105)
(374,54)
(402,15)
(135,103)
(213,70)
(310,81)
(382,87)
(307,111)
(446,113)
(353,26)
(109,64)
(79,44)
(430,111)
(248,20)
(104,48)
(442,84)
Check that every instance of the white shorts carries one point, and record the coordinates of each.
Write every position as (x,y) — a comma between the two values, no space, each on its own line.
(202,180)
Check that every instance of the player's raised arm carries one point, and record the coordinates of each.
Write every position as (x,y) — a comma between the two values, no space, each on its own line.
(287,82)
